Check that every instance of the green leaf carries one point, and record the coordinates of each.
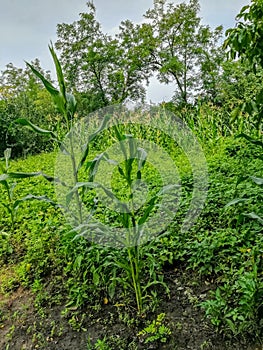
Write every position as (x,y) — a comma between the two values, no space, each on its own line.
(27,123)
(33,197)
(9,209)
(257,180)
(93,165)
(91,137)
(121,172)
(22,175)
(78,185)
(3,178)
(255,217)
(150,205)
(120,138)
(95,278)
(236,201)
(250,139)
(50,88)
(7,155)
(59,72)
(241,179)
(71,103)
(231,325)
(142,156)
(59,98)
(111,289)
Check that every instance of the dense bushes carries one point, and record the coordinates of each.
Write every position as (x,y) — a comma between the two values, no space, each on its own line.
(21,96)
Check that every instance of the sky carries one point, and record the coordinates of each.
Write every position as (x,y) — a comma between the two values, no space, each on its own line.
(28,26)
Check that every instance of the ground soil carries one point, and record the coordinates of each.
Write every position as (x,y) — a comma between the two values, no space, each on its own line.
(25,326)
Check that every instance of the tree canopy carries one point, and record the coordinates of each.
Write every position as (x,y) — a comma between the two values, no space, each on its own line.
(171,43)
(245,41)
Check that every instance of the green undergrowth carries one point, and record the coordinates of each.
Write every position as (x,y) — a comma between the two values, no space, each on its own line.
(223,246)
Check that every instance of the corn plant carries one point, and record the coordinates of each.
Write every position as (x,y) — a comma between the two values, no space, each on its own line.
(131,219)
(66,104)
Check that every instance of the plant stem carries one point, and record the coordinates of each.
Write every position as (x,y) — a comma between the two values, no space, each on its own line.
(11,208)
(135,278)
(73,162)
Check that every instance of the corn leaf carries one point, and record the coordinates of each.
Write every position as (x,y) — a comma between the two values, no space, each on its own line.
(3,178)
(59,72)
(27,123)
(255,217)
(78,185)
(50,88)
(33,197)
(236,201)
(22,175)
(91,137)
(250,139)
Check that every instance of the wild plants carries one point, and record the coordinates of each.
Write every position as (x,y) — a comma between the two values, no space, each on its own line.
(255,196)
(155,331)
(7,180)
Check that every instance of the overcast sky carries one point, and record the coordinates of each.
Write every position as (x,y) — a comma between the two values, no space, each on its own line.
(27,26)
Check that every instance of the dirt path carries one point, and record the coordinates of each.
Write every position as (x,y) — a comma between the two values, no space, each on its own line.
(25,327)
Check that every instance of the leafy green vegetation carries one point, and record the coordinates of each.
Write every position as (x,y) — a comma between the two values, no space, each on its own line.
(75,223)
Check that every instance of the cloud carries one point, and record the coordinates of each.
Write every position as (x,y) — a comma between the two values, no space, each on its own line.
(26,26)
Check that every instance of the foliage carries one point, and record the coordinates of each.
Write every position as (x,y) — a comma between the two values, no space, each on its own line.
(225,246)
(106,70)
(132,221)
(218,247)
(245,41)
(171,42)
(22,96)
(101,344)
(7,181)
(182,50)
(237,305)
(155,331)
(129,219)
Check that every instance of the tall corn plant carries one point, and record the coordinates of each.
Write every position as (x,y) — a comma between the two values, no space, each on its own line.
(66,104)
(131,219)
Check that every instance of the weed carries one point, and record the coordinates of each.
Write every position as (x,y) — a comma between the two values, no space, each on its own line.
(155,331)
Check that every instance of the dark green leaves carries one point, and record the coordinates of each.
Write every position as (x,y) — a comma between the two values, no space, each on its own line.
(245,39)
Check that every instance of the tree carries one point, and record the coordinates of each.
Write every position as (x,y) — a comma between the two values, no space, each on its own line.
(246,41)
(183,51)
(101,68)
(21,95)
(237,84)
